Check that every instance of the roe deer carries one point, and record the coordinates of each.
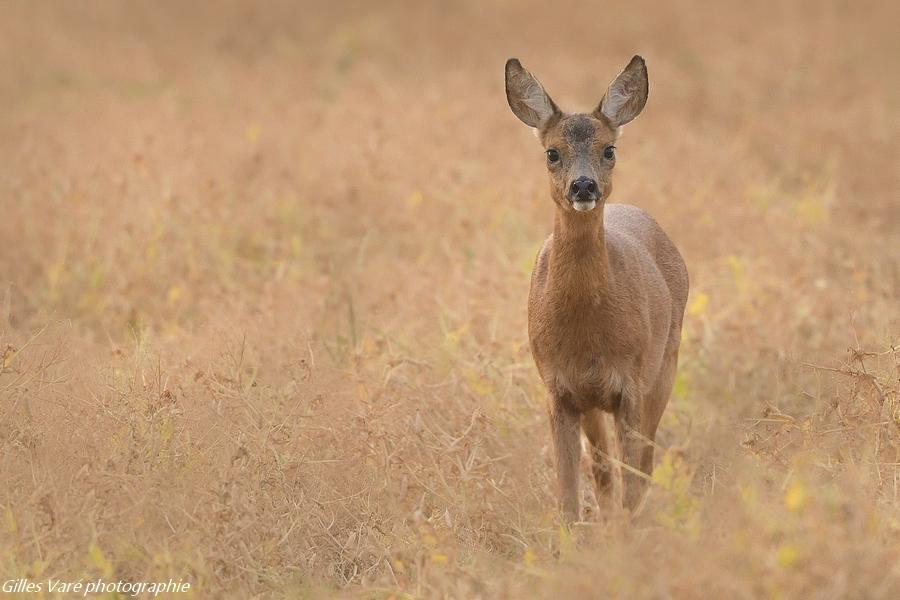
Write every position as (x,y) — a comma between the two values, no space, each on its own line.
(607,296)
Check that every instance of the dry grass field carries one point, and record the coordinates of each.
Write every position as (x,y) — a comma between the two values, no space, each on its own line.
(263,287)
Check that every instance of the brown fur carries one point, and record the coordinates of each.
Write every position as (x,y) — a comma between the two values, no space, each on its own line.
(605,310)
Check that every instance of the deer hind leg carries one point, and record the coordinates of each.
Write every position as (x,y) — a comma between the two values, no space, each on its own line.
(656,402)
(630,427)
(607,475)
(567,447)
(637,422)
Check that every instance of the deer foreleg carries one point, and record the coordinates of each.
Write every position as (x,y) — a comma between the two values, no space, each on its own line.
(564,421)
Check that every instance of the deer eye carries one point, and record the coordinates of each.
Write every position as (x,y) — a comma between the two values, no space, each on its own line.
(609,152)
(552,155)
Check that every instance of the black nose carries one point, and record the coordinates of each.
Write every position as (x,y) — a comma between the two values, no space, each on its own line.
(583,188)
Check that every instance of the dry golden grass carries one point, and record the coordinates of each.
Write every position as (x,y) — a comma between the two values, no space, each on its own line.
(264,277)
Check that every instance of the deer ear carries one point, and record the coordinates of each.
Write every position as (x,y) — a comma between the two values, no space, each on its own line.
(626,95)
(526,95)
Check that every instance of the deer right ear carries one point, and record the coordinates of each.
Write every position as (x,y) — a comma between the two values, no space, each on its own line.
(526,96)
(627,94)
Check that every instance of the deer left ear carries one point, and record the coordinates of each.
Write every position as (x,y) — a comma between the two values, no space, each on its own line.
(526,96)
(626,95)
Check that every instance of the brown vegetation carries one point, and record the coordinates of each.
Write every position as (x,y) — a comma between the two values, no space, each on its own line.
(264,280)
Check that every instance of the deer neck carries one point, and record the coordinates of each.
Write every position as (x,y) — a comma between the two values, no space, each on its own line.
(578,263)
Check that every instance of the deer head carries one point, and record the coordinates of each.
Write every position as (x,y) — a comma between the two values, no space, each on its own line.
(580,147)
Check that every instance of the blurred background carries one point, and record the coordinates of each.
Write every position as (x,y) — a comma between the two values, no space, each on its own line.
(263,288)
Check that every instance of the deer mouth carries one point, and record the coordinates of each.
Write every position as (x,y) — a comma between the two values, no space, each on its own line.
(584,205)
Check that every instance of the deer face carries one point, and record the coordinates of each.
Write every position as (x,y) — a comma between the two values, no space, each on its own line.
(580,160)
(579,147)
